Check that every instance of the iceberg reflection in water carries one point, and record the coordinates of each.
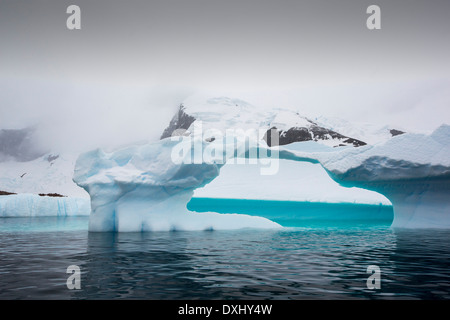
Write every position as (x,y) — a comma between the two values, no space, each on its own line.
(325,262)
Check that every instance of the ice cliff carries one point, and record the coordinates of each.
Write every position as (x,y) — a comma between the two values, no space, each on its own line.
(32,205)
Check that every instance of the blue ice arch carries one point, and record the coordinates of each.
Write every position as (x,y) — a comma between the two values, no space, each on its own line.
(143,188)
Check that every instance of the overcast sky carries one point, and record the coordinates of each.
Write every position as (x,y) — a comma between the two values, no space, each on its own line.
(122,75)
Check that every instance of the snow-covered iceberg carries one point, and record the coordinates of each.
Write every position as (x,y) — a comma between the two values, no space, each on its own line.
(142,188)
(411,170)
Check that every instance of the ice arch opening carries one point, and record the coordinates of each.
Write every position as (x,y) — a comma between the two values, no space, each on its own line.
(411,170)
(142,188)
(419,199)
(301,194)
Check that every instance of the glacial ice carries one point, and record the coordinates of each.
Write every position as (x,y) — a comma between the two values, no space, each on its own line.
(411,170)
(141,188)
(32,205)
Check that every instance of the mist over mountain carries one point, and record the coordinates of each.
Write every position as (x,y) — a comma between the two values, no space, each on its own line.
(19,145)
(223,113)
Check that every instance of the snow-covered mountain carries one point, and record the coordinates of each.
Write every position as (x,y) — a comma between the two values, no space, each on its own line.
(34,181)
(26,167)
(365,131)
(223,113)
(47,174)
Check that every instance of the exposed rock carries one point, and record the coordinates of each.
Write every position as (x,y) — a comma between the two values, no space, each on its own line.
(55,195)
(5,193)
(396,132)
(180,121)
(313,133)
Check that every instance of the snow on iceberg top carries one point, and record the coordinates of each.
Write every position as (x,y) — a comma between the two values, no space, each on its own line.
(149,165)
(407,156)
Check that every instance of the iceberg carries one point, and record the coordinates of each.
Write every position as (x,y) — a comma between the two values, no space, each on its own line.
(411,170)
(142,188)
(32,205)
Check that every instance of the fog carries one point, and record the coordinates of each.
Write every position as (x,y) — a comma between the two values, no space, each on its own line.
(121,77)
(80,116)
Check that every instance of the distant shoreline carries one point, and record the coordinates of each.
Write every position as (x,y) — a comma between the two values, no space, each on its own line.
(55,195)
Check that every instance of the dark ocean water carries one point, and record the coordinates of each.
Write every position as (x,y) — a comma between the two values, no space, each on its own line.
(322,261)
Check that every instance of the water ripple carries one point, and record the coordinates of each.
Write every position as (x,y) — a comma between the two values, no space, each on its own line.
(294,263)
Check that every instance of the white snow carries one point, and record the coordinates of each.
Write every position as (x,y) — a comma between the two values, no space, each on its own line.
(223,113)
(408,156)
(368,132)
(286,119)
(41,176)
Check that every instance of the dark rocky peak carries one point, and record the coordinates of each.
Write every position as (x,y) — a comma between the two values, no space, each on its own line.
(181,120)
(395,132)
